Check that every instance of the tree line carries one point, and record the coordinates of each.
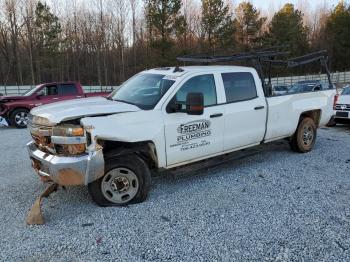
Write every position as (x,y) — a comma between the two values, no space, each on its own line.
(103,42)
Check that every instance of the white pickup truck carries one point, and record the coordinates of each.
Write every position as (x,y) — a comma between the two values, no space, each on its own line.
(342,107)
(165,118)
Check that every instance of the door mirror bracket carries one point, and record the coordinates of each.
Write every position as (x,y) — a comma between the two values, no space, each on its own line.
(173,107)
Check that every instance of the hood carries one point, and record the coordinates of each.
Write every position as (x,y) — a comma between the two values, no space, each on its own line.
(73,109)
(5,99)
(344,99)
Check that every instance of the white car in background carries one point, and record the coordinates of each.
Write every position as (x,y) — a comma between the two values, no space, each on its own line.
(280,89)
(342,106)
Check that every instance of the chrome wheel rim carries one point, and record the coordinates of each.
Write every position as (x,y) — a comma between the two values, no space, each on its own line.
(120,185)
(308,135)
(21,118)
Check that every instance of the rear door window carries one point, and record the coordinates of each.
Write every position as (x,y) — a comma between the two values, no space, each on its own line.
(239,86)
(67,89)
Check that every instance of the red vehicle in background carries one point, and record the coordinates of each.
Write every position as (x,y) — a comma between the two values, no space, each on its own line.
(15,109)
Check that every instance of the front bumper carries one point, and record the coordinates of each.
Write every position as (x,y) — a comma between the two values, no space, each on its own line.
(75,170)
(342,115)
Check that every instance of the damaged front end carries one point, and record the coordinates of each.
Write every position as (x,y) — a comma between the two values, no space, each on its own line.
(63,153)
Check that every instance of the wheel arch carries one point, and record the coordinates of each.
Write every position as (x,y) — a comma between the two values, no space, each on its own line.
(144,149)
(313,114)
(10,112)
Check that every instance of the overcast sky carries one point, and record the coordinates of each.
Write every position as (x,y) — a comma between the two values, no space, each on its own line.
(264,4)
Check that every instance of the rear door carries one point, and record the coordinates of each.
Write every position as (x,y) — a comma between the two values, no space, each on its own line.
(190,137)
(68,91)
(245,110)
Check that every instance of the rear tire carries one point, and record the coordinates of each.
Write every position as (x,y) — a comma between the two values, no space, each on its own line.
(304,137)
(19,118)
(127,180)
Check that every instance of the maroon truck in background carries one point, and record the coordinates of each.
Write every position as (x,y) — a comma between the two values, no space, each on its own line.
(15,109)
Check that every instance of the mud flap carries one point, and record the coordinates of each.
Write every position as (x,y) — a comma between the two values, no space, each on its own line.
(35,216)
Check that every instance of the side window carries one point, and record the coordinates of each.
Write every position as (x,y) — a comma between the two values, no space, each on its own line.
(239,86)
(51,90)
(204,84)
(67,89)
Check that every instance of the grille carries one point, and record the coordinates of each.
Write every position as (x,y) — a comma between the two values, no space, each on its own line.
(41,136)
(342,107)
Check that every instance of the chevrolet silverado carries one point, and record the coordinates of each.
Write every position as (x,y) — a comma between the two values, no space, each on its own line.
(165,118)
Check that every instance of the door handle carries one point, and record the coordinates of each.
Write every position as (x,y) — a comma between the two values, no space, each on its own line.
(55,98)
(259,107)
(216,115)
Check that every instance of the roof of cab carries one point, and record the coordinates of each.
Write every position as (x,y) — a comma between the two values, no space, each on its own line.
(196,69)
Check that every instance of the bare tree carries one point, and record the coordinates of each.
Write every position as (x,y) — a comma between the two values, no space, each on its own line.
(11,14)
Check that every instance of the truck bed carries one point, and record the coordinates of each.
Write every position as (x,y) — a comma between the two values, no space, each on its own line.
(284,111)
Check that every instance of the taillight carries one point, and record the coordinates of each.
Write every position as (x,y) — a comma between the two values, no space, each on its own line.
(335,101)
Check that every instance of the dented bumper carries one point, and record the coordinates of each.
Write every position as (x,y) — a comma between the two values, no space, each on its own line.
(74,170)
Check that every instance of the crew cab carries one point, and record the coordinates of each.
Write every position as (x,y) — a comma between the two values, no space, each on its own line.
(166,118)
(15,109)
(342,107)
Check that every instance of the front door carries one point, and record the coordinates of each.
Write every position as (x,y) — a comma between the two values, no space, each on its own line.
(49,95)
(190,137)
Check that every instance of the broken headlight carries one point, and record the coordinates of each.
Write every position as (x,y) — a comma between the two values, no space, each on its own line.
(68,131)
(69,140)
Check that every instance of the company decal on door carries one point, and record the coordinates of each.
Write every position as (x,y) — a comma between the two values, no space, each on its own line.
(193,135)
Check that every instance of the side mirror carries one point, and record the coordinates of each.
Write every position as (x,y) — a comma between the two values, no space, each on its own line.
(194,103)
(40,93)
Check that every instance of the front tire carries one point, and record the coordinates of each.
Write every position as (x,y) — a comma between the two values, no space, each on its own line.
(19,118)
(127,180)
(304,137)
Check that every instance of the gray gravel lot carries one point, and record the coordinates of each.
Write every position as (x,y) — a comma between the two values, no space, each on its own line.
(276,205)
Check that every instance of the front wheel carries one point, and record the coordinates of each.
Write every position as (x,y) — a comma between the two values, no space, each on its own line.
(126,181)
(19,118)
(304,137)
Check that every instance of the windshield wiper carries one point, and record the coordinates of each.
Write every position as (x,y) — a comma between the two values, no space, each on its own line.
(126,102)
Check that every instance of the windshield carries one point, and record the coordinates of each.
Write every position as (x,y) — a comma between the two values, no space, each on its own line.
(295,88)
(304,87)
(30,91)
(143,90)
(281,88)
(346,91)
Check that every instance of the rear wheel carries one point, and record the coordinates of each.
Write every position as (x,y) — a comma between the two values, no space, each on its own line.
(126,181)
(304,137)
(19,118)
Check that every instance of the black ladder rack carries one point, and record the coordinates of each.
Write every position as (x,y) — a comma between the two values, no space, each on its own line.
(260,58)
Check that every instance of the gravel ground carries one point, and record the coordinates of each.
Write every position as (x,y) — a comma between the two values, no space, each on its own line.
(276,205)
